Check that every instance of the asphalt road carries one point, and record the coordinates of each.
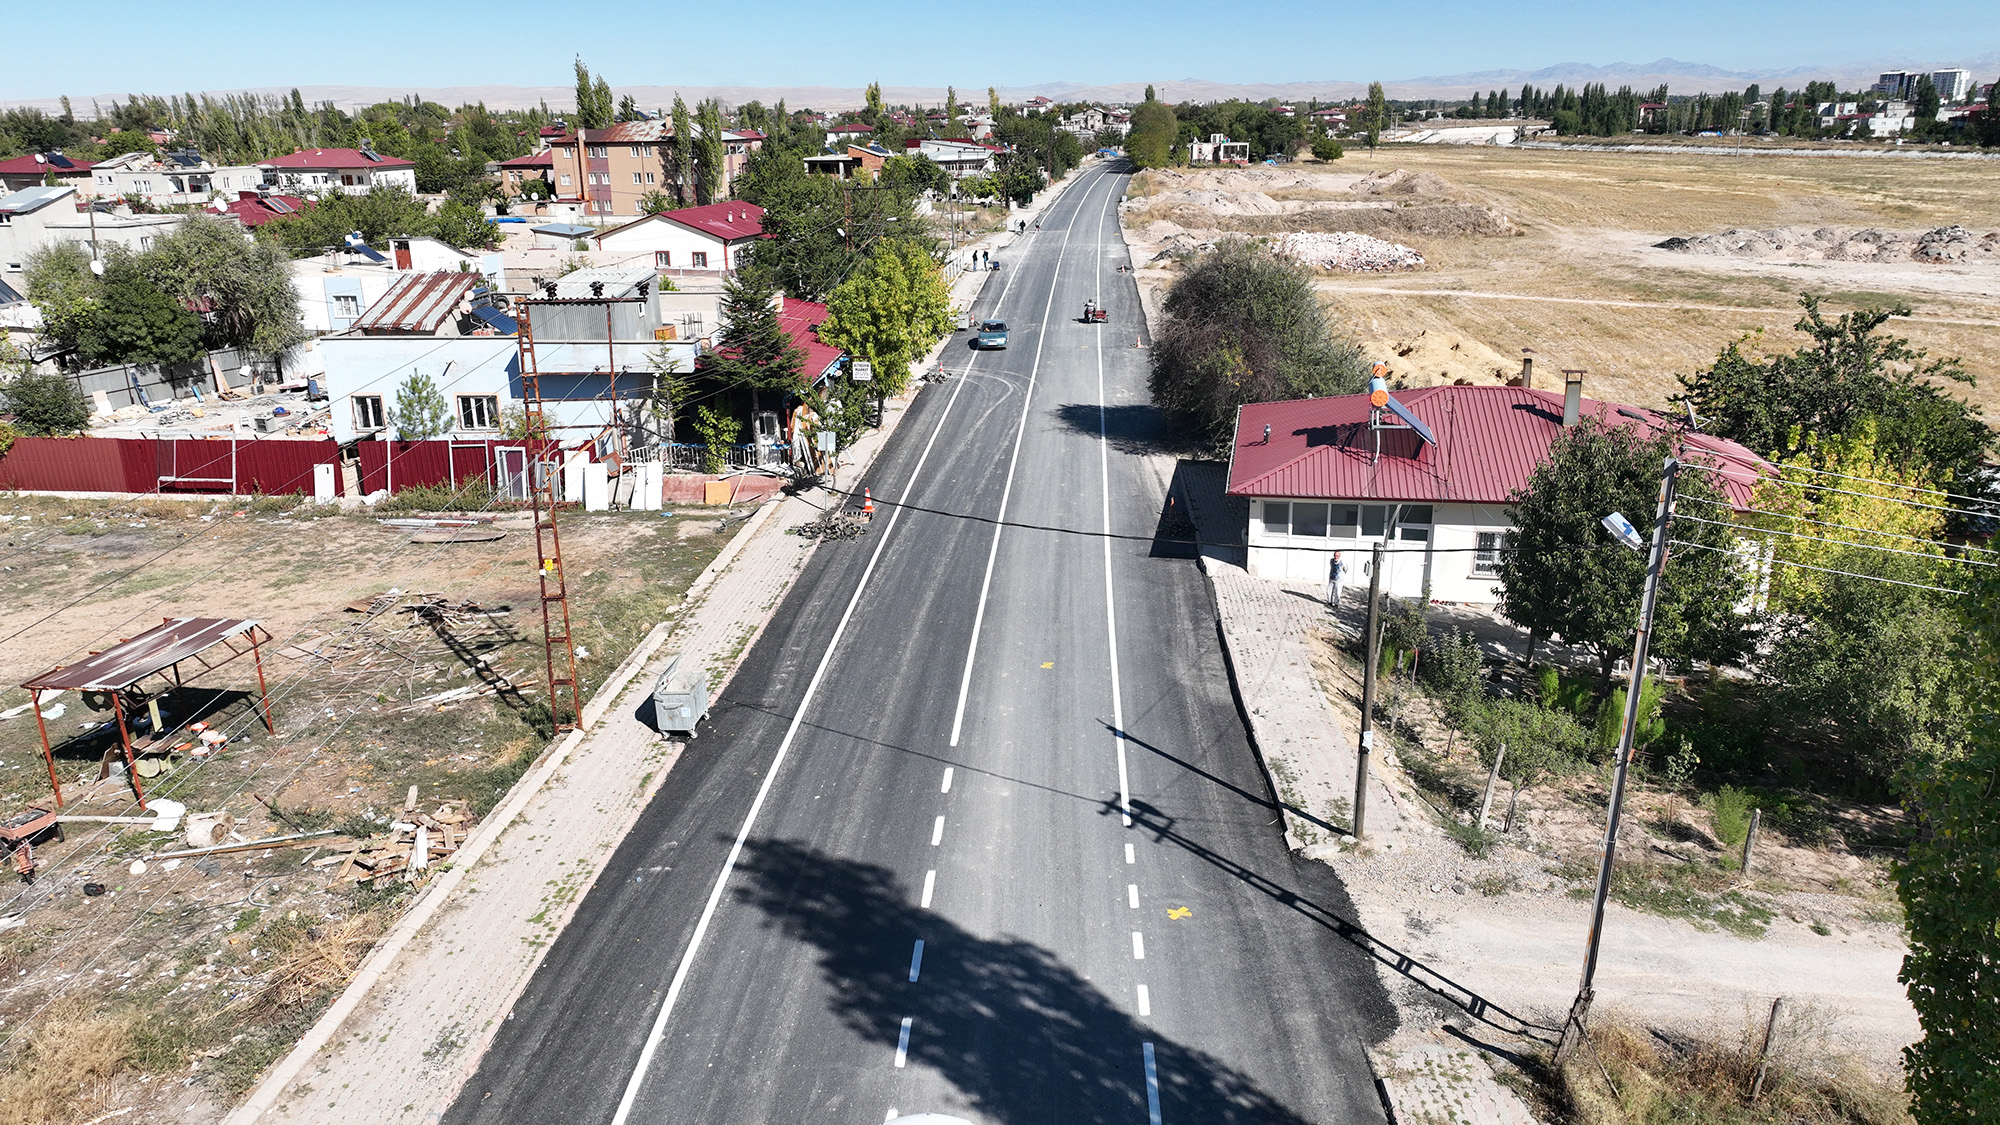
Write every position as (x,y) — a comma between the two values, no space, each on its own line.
(977,829)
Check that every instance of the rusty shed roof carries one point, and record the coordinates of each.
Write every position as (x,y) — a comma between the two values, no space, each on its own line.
(417,304)
(154,650)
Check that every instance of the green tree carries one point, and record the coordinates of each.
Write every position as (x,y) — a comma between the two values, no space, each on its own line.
(45,405)
(244,287)
(1927,102)
(591,113)
(1850,374)
(890,312)
(463,225)
(1242,326)
(993,102)
(872,100)
(63,289)
(915,174)
(710,153)
(379,214)
(719,430)
(1541,743)
(136,323)
(1327,148)
(655,201)
(1564,574)
(1949,885)
(685,149)
(1377,117)
(1989,119)
(818,227)
(421,412)
(753,350)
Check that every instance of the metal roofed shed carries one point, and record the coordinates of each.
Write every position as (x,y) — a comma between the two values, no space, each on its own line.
(418,305)
(560,236)
(108,680)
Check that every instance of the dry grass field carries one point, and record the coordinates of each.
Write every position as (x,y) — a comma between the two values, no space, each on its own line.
(1579,282)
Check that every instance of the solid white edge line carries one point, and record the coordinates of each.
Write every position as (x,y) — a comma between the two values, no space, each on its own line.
(1007,490)
(658,1032)
(903,1043)
(1145,1001)
(1152,1087)
(937,831)
(916,960)
(1110,601)
(930,884)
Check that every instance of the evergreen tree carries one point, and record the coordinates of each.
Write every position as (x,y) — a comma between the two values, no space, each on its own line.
(753,350)
(711,153)
(590,113)
(684,152)
(1506,105)
(1378,113)
(1989,121)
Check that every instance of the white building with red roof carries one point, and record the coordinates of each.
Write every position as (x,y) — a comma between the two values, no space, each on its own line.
(1339,475)
(354,171)
(708,239)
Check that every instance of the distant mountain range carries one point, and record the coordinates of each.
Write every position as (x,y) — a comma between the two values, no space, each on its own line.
(1678,76)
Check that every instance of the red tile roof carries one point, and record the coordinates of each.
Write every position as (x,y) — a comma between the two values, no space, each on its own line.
(29,166)
(798,319)
(334,158)
(729,221)
(1489,439)
(255,210)
(852,129)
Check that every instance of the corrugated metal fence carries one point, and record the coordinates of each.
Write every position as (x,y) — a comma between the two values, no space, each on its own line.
(247,466)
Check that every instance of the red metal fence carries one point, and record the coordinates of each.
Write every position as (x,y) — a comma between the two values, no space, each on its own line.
(227,465)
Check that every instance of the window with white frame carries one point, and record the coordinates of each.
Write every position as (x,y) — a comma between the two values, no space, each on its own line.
(598,151)
(1413,523)
(663,259)
(635,150)
(1277,517)
(649,177)
(636,178)
(1308,520)
(346,304)
(699,259)
(565,179)
(649,150)
(1486,559)
(368,412)
(478,412)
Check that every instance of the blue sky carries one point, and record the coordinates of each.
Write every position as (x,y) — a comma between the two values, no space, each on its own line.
(121,45)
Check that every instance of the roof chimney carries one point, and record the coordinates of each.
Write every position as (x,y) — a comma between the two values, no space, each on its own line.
(1572,395)
(1527,372)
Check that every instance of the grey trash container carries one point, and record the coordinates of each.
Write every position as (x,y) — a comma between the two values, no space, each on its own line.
(680,698)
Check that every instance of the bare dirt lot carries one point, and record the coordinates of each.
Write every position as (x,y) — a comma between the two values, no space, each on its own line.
(1555,253)
(169,987)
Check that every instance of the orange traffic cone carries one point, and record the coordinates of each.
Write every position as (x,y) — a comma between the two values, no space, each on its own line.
(867,503)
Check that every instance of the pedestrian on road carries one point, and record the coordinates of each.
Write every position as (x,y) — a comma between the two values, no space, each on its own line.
(1335,571)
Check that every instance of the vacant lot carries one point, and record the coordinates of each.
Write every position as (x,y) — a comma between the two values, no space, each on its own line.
(170,987)
(1572,274)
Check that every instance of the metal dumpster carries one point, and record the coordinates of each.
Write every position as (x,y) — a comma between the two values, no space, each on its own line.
(680,697)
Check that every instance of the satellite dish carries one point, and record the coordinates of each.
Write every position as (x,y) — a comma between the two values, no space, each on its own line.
(40,159)
(97,267)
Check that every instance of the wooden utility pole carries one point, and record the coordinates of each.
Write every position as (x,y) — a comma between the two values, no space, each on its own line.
(1492,778)
(1373,646)
(1656,561)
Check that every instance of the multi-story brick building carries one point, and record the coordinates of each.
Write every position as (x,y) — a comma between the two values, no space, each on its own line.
(610,170)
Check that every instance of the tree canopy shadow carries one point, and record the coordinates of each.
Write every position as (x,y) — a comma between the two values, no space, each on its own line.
(1139,428)
(1023,1036)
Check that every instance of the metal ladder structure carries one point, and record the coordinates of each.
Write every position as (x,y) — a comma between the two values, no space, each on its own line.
(544,473)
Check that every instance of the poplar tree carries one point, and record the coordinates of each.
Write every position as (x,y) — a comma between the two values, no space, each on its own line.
(684,151)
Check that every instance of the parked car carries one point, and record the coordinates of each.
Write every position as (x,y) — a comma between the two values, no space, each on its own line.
(992,334)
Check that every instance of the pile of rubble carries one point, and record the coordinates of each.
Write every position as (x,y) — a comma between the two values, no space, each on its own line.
(414,842)
(1842,244)
(1346,250)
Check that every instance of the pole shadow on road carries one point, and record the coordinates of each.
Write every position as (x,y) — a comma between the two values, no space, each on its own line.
(1023,1036)
(1150,819)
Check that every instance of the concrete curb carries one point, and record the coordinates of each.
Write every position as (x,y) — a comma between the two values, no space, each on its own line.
(1250,727)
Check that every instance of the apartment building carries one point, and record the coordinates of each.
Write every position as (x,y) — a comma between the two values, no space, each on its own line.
(610,170)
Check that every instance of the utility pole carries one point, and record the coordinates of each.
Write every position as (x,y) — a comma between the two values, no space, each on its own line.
(1656,561)
(1373,647)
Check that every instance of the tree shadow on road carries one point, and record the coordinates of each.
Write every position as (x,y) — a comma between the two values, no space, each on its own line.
(1138,429)
(1023,1036)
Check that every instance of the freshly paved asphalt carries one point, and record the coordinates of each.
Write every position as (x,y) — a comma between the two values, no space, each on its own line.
(1026,1005)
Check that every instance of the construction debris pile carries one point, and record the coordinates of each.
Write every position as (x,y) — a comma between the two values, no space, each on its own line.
(1346,250)
(831,526)
(1843,244)
(414,843)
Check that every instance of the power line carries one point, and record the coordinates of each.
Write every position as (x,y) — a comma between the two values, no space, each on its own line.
(1834,542)
(1863,495)
(1823,569)
(1945,543)
(1888,483)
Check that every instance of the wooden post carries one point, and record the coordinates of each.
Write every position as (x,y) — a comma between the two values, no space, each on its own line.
(1493,777)
(1373,648)
(1764,1053)
(263,694)
(1750,840)
(125,740)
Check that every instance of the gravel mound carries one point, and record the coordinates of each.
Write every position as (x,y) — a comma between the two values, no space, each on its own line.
(1842,244)
(1401,181)
(1346,250)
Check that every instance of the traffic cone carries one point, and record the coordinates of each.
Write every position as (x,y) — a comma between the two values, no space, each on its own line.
(867,503)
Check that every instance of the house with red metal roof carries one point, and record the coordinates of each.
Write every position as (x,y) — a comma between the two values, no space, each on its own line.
(254,209)
(1342,474)
(708,239)
(39,169)
(518,171)
(838,135)
(354,171)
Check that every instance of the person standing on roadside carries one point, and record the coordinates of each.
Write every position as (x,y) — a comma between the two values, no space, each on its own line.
(1335,571)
